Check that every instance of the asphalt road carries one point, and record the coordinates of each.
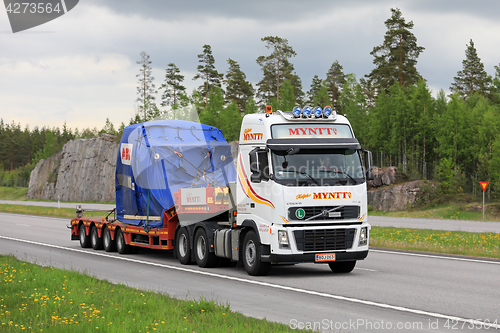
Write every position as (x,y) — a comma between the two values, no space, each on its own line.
(389,291)
(435,224)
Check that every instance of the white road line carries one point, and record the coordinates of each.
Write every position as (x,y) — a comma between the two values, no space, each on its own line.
(265,284)
(437,256)
(23,225)
(366,269)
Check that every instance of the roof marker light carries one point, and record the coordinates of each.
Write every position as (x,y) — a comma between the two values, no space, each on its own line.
(269,109)
(296,112)
(328,111)
(307,111)
(317,112)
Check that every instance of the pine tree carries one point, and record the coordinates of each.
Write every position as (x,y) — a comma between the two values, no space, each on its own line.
(238,89)
(335,80)
(277,68)
(207,72)
(352,102)
(146,88)
(312,94)
(472,78)
(396,59)
(172,85)
(287,99)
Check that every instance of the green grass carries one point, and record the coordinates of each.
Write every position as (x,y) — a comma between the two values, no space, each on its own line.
(46,211)
(20,194)
(452,211)
(44,299)
(13,193)
(437,241)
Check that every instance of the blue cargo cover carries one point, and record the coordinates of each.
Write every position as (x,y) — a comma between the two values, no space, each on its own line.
(157,158)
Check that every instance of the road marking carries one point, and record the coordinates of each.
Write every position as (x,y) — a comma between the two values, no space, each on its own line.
(366,269)
(265,284)
(437,257)
(23,225)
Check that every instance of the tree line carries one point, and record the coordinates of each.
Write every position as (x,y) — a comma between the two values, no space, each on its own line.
(454,139)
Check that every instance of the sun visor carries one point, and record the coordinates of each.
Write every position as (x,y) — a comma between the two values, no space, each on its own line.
(337,143)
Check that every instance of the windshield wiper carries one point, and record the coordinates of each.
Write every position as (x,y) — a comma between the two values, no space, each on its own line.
(302,173)
(342,172)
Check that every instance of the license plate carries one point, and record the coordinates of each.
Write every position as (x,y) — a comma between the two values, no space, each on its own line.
(324,257)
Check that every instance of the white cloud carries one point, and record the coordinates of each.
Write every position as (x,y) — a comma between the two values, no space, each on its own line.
(82,66)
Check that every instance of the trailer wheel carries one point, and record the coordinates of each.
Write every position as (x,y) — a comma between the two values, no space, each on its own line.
(182,247)
(121,246)
(109,244)
(202,254)
(84,238)
(251,256)
(95,240)
(342,266)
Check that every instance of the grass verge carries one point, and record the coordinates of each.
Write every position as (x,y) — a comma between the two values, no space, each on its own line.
(44,299)
(46,211)
(13,193)
(449,242)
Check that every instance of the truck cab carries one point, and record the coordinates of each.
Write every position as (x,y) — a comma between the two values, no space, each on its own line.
(302,190)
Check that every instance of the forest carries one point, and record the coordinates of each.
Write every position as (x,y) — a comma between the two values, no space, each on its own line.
(452,139)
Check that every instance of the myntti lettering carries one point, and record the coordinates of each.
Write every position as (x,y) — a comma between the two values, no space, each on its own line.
(312,131)
(249,136)
(332,195)
(192,199)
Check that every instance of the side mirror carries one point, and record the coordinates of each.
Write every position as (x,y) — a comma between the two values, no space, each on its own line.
(259,166)
(369,165)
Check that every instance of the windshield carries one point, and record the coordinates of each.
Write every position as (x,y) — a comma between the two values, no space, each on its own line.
(321,167)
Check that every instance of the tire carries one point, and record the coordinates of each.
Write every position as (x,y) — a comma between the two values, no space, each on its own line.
(204,258)
(182,247)
(84,238)
(252,257)
(95,240)
(121,246)
(342,266)
(108,243)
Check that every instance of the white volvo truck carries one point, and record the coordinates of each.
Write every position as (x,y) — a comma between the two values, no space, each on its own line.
(297,193)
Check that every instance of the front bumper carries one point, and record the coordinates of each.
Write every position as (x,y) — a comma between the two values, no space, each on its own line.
(309,257)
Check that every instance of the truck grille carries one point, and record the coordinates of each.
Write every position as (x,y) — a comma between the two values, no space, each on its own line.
(344,212)
(324,239)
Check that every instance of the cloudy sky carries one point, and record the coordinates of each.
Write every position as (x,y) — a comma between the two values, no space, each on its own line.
(81,68)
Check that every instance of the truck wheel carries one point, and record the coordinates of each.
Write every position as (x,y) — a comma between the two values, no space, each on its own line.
(95,240)
(251,256)
(84,238)
(121,246)
(342,266)
(202,254)
(109,244)
(182,247)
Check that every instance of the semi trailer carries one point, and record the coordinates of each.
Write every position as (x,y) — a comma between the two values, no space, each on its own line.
(296,193)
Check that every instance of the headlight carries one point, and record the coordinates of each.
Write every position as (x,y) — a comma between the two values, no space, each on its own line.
(363,236)
(283,239)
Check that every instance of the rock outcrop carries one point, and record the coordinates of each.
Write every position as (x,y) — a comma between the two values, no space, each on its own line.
(396,197)
(83,171)
(383,176)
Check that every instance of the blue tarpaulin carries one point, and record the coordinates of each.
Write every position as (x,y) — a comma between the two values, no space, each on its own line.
(157,158)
